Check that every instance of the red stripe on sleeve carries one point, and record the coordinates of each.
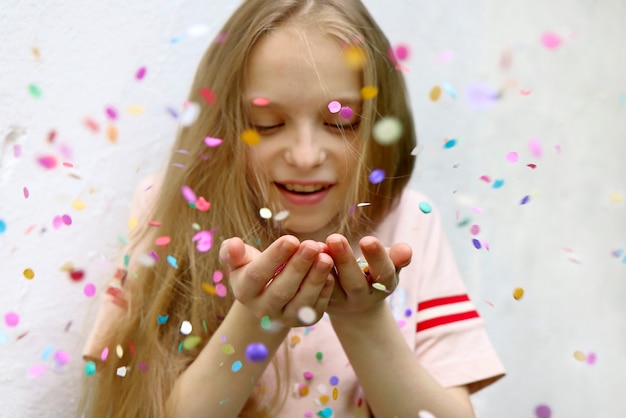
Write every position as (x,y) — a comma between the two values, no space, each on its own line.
(443,320)
(442,301)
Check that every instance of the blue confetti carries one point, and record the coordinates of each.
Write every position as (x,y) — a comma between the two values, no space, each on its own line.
(3,226)
(172,260)
(236,366)
(325,413)
(425,207)
(449,89)
(162,319)
(449,143)
(497,184)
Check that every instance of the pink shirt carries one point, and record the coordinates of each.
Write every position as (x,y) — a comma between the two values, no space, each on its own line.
(431,308)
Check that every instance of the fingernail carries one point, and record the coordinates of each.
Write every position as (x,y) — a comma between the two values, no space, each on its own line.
(336,246)
(309,253)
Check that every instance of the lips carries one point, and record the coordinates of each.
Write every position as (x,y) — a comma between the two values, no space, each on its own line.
(304,194)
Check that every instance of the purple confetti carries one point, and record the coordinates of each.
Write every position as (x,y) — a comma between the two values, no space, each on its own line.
(476,244)
(377,176)
(481,96)
(141,73)
(256,352)
(543,411)
(524,200)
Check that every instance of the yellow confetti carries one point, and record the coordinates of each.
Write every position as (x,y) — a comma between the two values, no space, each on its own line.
(579,355)
(435,93)
(29,274)
(616,197)
(135,110)
(228,349)
(133,222)
(119,351)
(191,342)
(78,204)
(295,340)
(67,267)
(303,390)
(518,293)
(250,137)
(112,133)
(354,57)
(324,399)
(209,288)
(35,52)
(335,394)
(369,92)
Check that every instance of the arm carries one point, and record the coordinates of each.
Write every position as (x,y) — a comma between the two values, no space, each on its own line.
(394,382)
(209,387)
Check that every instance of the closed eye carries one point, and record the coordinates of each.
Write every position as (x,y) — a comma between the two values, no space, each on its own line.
(267,129)
(351,126)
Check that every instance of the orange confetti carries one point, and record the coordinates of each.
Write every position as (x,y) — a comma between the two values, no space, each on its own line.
(112,133)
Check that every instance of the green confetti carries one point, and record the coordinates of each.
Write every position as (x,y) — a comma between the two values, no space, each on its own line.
(266,323)
(34,90)
(191,342)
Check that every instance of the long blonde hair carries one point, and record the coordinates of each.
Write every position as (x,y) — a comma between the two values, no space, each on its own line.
(152,351)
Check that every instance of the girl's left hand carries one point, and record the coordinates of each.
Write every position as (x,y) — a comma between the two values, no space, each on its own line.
(355,293)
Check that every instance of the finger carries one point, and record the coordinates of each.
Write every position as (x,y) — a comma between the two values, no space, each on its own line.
(381,266)
(350,275)
(286,284)
(260,267)
(400,255)
(312,287)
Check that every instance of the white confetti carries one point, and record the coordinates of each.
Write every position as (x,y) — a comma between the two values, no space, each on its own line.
(185,328)
(307,315)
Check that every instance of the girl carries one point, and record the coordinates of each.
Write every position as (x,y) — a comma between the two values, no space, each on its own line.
(283,235)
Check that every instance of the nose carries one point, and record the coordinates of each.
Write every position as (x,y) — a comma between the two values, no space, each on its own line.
(306,149)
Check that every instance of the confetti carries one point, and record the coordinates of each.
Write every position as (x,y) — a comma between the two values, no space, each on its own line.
(498,183)
(449,89)
(212,142)
(425,207)
(334,381)
(172,261)
(11,319)
(162,241)
(78,204)
(112,133)
(512,157)
(29,274)
(435,93)
(266,323)
(525,200)
(61,357)
(425,414)
(110,112)
(121,371)
(476,244)
(204,240)
(250,137)
(387,130)
(535,147)
(551,40)
(189,114)
(237,365)
(379,286)
(281,216)
(265,213)
(191,342)
(543,411)
(449,143)
(591,358)
(307,315)
(613,197)
(369,92)
(186,328)
(481,96)
(518,293)
(89,290)
(48,162)
(162,319)
(3,226)
(256,352)
(90,368)
(34,90)
(261,101)
(346,112)
(334,106)
(221,290)
(377,176)
(474,229)
(208,95)
(580,356)
(141,73)
(119,351)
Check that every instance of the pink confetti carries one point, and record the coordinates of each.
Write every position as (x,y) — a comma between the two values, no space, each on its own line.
(11,319)
(26,193)
(261,101)
(445,57)
(221,290)
(591,358)
(334,106)
(346,112)
(475,230)
(208,96)
(105,354)
(37,370)
(111,112)
(57,222)
(551,40)
(485,178)
(204,240)
(89,290)
(162,241)
(17,151)
(512,157)
(47,161)
(543,411)
(188,194)
(68,164)
(477,210)
(67,219)
(62,357)
(557,148)
(401,52)
(141,73)
(212,142)
(92,125)
(202,205)
(535,147)
(217,276)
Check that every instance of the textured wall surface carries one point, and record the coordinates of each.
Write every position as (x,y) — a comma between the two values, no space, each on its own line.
(533,92)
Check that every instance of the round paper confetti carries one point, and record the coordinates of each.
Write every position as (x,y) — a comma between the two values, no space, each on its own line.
(435,93)
(141,73)
(162,241)
(11,319)
(185,328)
(89,290)
(450,143)
(260,101)
(591,358)
(34,90)
(476,244)
(524,200)
(228,349)
(474,229)
(377,176)
(518,293)
(425,207)
(162,319)
(550,40)
(265,213)
(90,368)
(281,216)
(580,356)
(191,342)
(237,365)
(387,130)
(346,112)
(307,315)
(534,145)
(250,137)
(266,322)
(543,411)
(189,114)
(78,204)
(256,352)
(334,106)
(29,274)
(425,414)
(512,157)
(119,351)
(369,92)
(613,197)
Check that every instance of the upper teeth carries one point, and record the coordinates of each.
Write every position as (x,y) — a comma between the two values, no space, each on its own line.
(302,188)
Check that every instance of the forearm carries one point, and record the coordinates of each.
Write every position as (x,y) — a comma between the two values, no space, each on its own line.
(394,382)
(209,387)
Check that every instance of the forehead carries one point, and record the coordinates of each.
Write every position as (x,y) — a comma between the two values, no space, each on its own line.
(301,64)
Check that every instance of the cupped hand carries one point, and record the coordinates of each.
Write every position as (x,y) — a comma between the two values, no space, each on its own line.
(354,291)
(288,276)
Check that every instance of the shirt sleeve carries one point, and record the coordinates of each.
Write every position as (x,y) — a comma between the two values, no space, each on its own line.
(114,301)
(448,334)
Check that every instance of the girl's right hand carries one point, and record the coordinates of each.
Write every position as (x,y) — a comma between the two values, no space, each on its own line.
(303,278)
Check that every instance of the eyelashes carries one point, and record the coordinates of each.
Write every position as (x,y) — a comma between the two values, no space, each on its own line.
(270,129)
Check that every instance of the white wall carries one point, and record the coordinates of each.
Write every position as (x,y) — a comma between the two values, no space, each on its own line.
(558,247)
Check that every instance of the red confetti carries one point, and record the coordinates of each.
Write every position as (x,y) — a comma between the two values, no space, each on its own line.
(52,136)
(77,275)
(208,95)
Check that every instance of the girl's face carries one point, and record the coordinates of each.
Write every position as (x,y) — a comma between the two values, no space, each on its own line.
(307,152)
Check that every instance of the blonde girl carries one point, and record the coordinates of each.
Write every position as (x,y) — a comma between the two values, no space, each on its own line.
(281,267)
